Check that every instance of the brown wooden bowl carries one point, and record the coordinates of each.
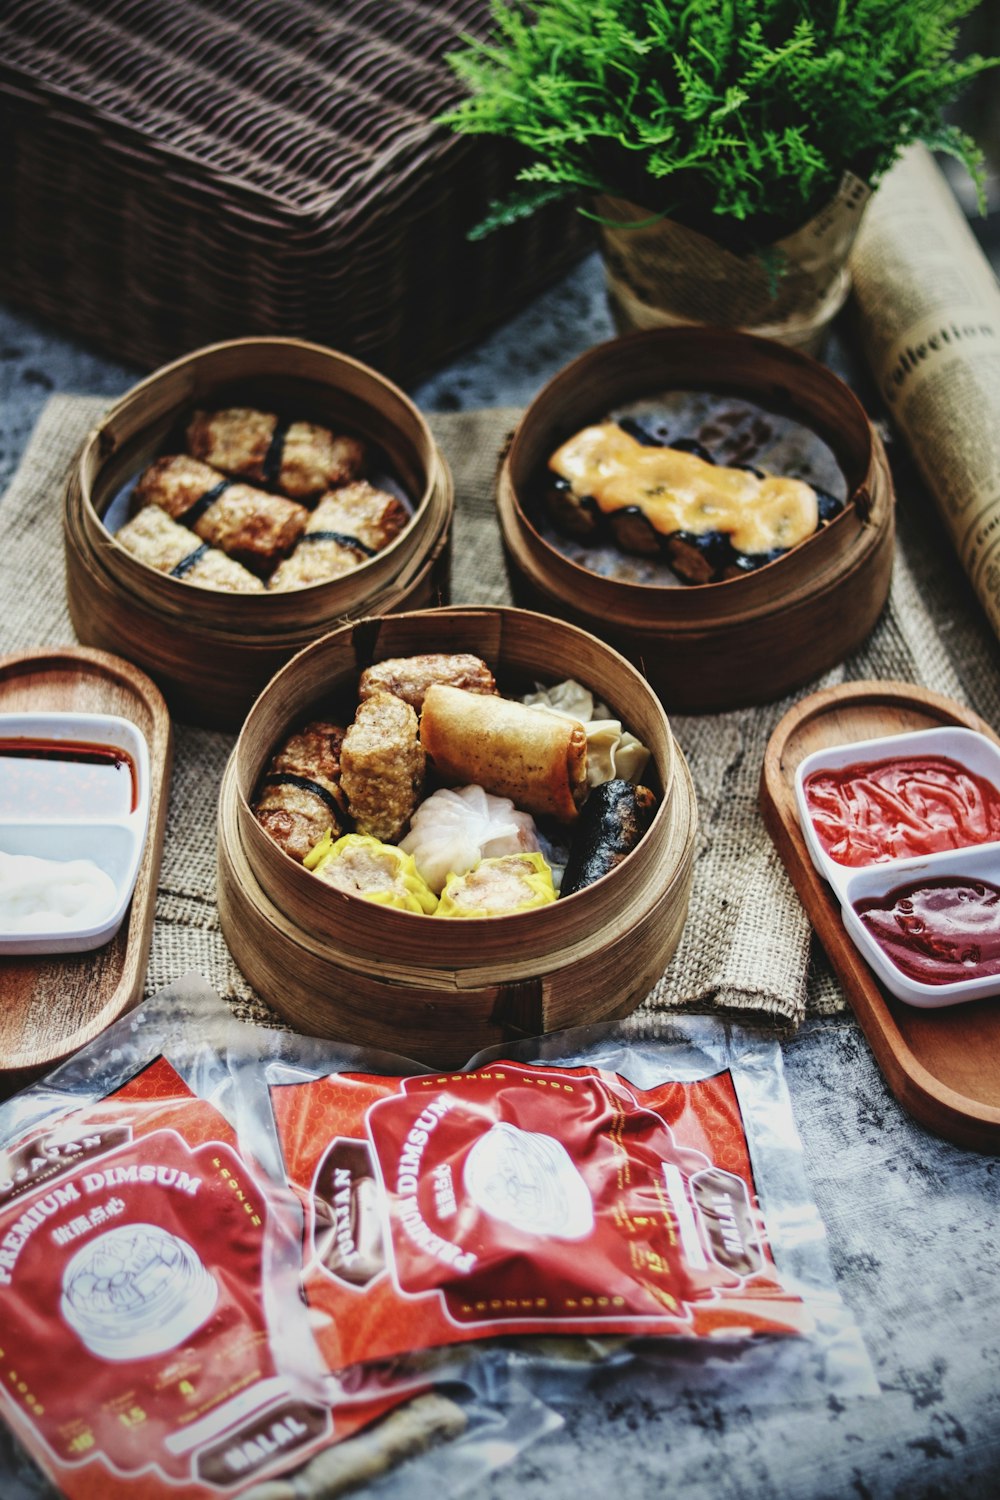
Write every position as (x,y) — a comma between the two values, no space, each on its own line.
(745,640)
(211,652)
(337,965)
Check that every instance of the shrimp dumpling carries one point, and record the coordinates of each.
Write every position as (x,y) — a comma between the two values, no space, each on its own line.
(457,827)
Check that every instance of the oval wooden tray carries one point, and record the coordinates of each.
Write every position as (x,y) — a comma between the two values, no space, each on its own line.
(54,1004)
(942,1065)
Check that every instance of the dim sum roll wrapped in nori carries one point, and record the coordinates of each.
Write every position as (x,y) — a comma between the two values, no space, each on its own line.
(498,887)
(382,766)
(378,872)
(300,798)
(409,677)
(537,760)
(298,458)
(615,817)
(160,543)
(254,527)
(347,527)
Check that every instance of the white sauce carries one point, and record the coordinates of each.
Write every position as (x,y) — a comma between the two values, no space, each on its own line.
(53,895)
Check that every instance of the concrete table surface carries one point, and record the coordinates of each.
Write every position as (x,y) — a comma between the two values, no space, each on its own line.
(913,1222)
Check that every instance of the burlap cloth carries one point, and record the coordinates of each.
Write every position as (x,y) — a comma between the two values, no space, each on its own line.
(746,946)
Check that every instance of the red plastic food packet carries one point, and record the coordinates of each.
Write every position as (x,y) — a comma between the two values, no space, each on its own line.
(138,1355)
(526,1199)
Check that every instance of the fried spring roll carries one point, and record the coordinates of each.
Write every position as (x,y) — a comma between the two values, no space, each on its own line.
(347,527)
(297,458)
(254,527)
(537,760)
(300,797)
(409,677)
(614,819)
(162,544)
(382,766)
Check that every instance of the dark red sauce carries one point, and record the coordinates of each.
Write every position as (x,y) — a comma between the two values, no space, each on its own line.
(938,931)
(867,813)
(65,779)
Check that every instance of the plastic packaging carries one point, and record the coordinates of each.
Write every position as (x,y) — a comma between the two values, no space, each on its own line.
(154,1339)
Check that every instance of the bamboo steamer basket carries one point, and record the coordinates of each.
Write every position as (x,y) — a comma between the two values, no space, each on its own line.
(746,640)
(336,965)
(212,652)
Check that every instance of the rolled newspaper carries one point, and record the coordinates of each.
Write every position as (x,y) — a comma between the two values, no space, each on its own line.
(930,328)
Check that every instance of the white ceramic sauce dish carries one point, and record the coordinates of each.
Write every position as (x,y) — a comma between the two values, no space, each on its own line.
(981,862)
(855,883)
(73,786)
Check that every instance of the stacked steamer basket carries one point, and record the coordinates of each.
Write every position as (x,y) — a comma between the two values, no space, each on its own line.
(747,639)
(211,651)
(335,964)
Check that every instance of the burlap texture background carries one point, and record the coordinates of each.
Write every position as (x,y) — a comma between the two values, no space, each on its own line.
(746,946)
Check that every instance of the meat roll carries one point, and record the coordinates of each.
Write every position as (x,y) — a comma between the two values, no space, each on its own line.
(615,818)
(409,677)
(300,798)
(382,766)
(537,760)
(347,527)
(162,544)
(297,458)
(710,521)
(254,527)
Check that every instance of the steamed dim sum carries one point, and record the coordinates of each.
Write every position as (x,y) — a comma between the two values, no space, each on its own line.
(382,766)
(454,830)
(498,887)
(363,866)
(537,760)
(162,544)
(347,527)
(614,819)
(409,677)
(300,798)
(298,458)
(254,527)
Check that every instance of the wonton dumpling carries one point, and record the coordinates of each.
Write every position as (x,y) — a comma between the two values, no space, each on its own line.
(612,752)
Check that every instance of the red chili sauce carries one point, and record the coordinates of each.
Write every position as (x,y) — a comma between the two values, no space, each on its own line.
(938,931)
(873,811)
(65,779)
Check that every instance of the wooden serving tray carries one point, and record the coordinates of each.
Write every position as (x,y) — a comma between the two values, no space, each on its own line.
(54,1004)
(942,1065)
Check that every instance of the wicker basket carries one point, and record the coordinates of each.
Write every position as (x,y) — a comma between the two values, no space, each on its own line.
(175,174)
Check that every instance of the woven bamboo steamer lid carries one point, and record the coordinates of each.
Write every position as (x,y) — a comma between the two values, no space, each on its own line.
(337,965)
(746,640)
(210,651)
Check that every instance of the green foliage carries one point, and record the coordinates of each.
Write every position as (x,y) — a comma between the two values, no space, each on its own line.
(736,115)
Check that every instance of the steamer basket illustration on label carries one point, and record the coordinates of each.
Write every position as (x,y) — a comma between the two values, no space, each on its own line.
(136,1291)
(528,1180)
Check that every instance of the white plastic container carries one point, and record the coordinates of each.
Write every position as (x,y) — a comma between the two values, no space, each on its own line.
(854,883)
(65,828)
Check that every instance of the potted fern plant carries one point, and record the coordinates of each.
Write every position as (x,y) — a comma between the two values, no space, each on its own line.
(725,148)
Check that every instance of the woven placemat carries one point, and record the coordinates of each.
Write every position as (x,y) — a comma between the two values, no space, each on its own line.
(746,947)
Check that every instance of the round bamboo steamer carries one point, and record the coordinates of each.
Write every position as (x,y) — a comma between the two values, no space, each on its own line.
(336,965)
(709,647)
(212,652)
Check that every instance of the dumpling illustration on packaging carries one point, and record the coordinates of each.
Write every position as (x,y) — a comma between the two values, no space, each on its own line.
(136,1290)
(528,1180)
